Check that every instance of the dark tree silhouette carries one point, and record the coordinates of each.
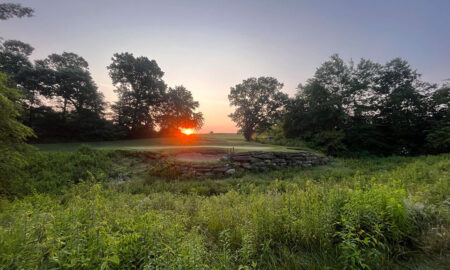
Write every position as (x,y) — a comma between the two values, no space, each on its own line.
(73,82)
(178,111)
(141,90)
(11,10)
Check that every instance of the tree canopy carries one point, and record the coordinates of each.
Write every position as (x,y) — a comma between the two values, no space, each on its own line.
(140,88)
(11,10)
(259,103)
(365,107)
(178,111)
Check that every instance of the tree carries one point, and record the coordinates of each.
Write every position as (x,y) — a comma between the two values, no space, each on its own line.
(72,83)
(12,134)
(11,10)
(383,109)
(438,136)
(259,103)
(141,90)
(178,111)
(14,57)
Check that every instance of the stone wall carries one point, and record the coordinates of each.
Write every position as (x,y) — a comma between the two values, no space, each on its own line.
(252,161)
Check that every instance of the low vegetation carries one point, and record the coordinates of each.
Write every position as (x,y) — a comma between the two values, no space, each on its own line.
(93,209)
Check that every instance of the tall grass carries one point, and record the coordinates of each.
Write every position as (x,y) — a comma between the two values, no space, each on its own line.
(354,214)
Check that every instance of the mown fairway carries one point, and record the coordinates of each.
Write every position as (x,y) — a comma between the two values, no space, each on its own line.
(92,209)
(220,140)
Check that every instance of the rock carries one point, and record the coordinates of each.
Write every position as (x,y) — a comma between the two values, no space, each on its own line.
(221,169)
(230,171)
(241,158)
(247,166)
(264,156)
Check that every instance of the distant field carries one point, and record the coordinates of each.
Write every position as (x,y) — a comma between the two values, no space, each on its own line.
(219,140)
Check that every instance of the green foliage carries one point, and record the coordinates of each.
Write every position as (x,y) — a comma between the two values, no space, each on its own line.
(259,104)
(12,136)
(438,141)
(95,229)
(359,213)
(329,142)
(57,171)
(369,107)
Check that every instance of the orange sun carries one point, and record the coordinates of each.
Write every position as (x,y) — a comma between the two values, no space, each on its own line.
(187,131)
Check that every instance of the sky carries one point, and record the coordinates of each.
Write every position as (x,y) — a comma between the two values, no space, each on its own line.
(209,46)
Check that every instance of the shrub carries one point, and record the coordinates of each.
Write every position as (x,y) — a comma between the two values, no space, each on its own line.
(438,141)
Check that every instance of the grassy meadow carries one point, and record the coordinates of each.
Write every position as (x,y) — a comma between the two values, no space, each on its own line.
(97,207)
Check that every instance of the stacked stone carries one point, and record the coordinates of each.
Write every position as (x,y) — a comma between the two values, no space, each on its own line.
(275,160)
(254,161)
(206,170)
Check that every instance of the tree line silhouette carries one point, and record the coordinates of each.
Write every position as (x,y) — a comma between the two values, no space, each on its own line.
(61,100)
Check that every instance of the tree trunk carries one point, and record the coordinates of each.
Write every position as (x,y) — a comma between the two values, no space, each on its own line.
(248,134)
(64,109)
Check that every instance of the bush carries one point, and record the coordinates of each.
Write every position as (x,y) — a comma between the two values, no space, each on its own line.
(438,141)
(329,142)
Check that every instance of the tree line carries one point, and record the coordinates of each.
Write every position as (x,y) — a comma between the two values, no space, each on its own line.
(344,108)
(61,100)
(348,108)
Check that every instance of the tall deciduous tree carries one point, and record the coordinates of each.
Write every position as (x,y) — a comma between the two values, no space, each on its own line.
(141,90)
(73,82)
(259,103)
(178,111)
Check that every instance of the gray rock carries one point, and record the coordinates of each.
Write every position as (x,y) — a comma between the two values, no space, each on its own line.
(230,171)
(247,166)
(264,156)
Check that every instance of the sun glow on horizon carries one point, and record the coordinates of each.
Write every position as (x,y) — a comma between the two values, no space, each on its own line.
(187,131)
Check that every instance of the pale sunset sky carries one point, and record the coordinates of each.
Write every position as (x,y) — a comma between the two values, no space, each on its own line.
(209,46)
